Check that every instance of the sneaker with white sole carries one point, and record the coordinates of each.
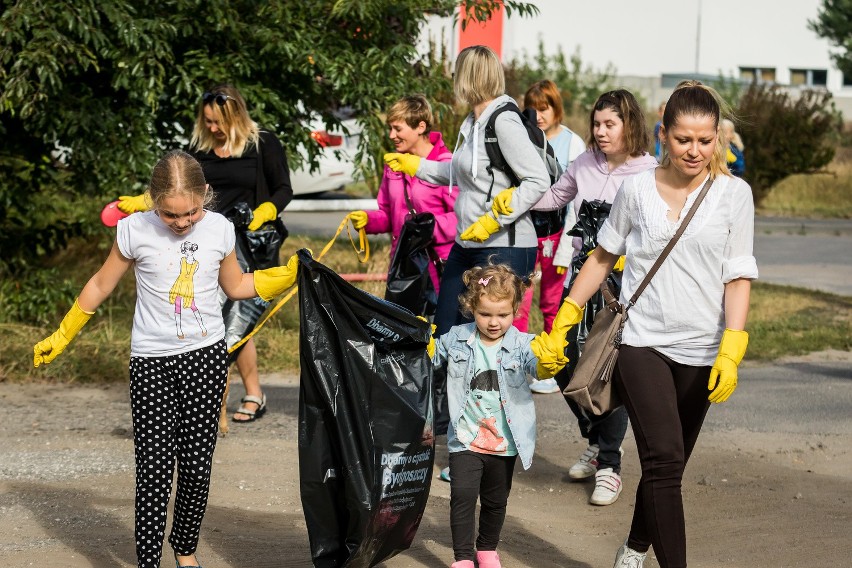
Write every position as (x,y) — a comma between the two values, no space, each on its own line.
(587,465)
(545,386)
(626,557)
(444,475)
(607,487)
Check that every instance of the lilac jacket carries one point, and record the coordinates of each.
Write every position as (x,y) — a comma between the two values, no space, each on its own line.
(425,196)
(588,178)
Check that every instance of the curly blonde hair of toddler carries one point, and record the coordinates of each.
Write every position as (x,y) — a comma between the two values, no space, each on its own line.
(497,281)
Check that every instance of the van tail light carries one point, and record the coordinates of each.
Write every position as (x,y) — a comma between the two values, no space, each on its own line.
(327,140)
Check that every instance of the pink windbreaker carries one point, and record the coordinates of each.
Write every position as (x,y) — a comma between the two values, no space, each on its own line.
(425,197)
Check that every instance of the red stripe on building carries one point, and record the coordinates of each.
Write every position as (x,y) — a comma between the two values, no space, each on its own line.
(488,33)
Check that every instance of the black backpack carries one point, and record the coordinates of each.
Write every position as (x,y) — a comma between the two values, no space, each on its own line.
(546,222)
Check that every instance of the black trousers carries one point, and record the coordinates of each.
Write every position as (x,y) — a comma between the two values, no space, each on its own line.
(489,478)
(667,403)
(175,403)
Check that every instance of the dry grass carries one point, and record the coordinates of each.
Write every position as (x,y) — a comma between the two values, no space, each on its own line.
(827,195)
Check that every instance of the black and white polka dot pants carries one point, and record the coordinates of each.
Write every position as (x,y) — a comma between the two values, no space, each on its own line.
(175,401)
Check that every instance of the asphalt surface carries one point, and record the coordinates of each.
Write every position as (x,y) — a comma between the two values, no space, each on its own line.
(809,253)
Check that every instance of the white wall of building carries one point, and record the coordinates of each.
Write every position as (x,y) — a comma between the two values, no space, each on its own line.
(650,38)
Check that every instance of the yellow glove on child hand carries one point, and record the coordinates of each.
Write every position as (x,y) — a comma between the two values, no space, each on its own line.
(48,349)
(359,219)
(264,213)
(270,282)
(723,375)
(481,230)
(405,163)
(502,204)
(133,203)
(550,352)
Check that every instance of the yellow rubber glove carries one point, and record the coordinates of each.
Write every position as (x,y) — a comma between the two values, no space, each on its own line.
(405,163)
(47,349)
(561,269)
(430,347)
(133,203)
(502,204)
(481,230)
(270,282)
(264,213)
(569,315)
(550,352)
(730,157)
(359,219)
(619,264)
(723,375)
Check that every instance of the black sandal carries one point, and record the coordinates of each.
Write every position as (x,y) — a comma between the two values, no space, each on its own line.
(253,415)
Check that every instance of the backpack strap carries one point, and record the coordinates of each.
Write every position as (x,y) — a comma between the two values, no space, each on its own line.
(496,158)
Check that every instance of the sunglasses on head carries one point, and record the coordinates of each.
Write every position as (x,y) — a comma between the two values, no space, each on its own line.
(220,98)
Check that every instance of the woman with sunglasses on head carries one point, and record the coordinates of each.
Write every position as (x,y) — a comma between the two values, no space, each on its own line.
(242,164)
(684,337)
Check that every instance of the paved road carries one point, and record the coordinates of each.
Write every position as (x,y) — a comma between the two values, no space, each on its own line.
(815,254)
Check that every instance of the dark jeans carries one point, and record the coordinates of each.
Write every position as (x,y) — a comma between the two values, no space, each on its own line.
(667,403)
(607,430)
(447,315)
(490,479)
(521,260)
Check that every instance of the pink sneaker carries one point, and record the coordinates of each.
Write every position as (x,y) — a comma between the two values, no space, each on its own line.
(488,559)
(462,564)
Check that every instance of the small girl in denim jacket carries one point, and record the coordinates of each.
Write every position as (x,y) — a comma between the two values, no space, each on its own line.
(492,416)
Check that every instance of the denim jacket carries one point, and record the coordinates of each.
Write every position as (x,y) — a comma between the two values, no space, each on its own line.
(455,350)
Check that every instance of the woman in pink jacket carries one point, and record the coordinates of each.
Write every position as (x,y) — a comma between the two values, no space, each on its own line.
(410,120)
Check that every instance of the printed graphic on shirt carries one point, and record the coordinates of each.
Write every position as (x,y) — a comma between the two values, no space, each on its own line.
(182,294)
(483,427)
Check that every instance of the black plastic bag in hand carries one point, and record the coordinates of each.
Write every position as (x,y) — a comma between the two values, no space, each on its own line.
(366,444)
(409,282)
(255,250)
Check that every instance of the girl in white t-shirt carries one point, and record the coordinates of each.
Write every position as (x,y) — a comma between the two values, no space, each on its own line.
(181,254)
(684,338)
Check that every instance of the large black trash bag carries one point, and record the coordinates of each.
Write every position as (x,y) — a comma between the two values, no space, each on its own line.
(409,282)
(366,443)
(255,250)
(590,218)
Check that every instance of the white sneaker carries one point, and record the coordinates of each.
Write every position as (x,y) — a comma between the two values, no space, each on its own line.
(607,487)
(626,557)
(546,386)
(587,465)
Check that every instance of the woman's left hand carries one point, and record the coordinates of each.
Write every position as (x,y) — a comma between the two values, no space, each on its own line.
(264,213)
(723,375)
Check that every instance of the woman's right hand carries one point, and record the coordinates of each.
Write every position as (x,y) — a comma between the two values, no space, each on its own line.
(405,163)
(359,219)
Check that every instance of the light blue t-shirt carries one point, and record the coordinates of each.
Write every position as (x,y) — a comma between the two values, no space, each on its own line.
(483,427)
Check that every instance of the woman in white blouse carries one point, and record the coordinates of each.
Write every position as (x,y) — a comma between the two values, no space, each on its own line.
(684,338)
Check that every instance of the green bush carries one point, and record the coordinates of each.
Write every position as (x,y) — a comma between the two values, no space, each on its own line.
(785,134)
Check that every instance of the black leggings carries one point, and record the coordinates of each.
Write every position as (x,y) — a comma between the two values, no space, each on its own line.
(175,401)
(489,478)
(667,403)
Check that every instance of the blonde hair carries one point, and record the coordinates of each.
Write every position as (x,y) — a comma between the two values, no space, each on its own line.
(497,281)
(693,98)
(412,110)
(730,130)
(178,174)
(478,75)
(240,130)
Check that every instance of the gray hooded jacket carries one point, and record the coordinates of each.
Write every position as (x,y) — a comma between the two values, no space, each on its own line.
(468,170)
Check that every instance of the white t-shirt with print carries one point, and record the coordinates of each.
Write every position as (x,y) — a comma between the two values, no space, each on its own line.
(173,270)
(681,312)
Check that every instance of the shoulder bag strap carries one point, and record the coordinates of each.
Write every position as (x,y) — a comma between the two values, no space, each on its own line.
(672,243)
(408,202)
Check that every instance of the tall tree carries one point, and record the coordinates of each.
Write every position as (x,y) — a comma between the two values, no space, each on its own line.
(834,23)
(93,91)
